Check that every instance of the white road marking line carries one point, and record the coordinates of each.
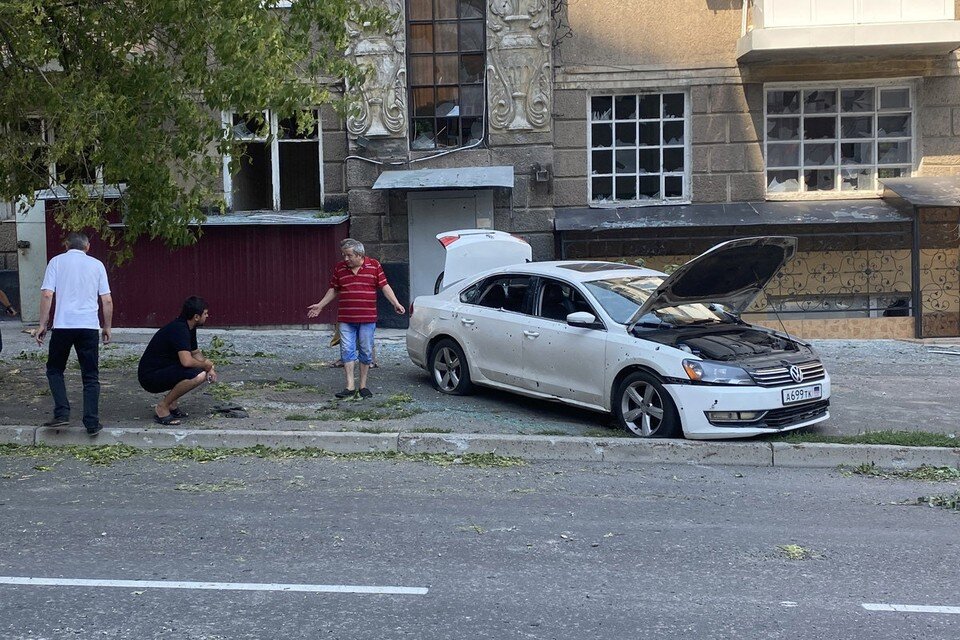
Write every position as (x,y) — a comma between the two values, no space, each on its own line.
(219,586)
(909,608)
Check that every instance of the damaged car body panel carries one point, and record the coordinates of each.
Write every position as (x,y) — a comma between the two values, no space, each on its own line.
(666,355)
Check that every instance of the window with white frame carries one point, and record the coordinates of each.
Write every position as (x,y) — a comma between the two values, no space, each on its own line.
(38,134)
(837,139)
(639,148)
(282,166)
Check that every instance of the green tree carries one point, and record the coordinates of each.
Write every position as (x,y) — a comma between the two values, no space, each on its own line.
(133,89)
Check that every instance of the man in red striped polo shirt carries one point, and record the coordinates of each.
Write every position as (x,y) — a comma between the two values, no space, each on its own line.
(355,282)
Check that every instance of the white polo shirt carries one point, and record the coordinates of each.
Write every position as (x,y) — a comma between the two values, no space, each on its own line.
(78,282)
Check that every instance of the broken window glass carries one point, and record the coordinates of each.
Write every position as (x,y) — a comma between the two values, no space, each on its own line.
(672,105)
(602,135)
(783,128)
(893,152)
(856,180)
(649,134)
(820,179)
(650,187)
(856,100)
(894,98)
(673,159)
(783,181)
(626,188)
(783,155)
(819,128)
(626,134)
(649,160)
(650,106)
(856,153)
(820,101)
(819,155)
(602,188)
(893,126)
(783,102)
(673,132)
(626,107)
(856,127)
(673,186)
(601,108)
(627,161)
(602,162)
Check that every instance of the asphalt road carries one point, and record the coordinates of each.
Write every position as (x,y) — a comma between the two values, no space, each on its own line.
(540,551)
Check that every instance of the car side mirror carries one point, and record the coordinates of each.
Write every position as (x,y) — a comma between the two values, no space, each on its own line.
(582,319)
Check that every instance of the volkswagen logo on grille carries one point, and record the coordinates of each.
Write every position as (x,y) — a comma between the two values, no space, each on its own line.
(796,373)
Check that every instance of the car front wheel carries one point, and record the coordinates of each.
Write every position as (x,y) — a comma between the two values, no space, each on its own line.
(644,408)
(448,368)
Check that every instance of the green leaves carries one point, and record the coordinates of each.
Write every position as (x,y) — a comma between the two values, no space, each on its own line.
(130,93)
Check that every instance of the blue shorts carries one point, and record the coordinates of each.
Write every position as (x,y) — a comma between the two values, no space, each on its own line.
(354,337)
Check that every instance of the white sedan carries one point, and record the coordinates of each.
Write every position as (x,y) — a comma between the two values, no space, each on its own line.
(667,355)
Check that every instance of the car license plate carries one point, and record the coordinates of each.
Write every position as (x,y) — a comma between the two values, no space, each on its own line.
(802,394)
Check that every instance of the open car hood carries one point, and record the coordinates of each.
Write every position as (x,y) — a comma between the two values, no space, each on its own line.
(731,274)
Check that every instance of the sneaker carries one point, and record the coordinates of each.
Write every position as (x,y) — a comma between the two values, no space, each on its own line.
(56,422)
(92,431)
(366,393)
(346,393)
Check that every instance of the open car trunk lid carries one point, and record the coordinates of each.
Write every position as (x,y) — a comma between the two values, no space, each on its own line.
(732,274)
(471,251)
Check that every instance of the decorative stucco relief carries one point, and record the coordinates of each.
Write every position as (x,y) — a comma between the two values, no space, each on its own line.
(519,65)
(381,105)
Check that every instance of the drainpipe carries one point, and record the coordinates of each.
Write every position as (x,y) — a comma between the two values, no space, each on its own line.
(915,279)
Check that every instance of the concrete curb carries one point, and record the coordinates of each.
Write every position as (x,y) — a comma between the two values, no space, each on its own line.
(574,449)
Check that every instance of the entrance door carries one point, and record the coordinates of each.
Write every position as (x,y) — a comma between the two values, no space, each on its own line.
(433,212)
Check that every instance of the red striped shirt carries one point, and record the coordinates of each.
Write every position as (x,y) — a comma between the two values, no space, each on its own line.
(357,292)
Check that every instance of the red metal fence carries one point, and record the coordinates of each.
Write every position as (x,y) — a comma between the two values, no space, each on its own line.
(250,275)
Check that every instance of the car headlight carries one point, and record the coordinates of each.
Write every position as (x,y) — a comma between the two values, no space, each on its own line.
(715,373)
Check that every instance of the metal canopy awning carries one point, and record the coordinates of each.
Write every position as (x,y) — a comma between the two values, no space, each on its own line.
(729,215)
(458,178)
(941,191)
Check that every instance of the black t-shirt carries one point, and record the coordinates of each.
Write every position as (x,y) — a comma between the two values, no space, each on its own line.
(165,345)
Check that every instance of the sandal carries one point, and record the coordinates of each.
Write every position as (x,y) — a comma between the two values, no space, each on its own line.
(179,413)
(167,421)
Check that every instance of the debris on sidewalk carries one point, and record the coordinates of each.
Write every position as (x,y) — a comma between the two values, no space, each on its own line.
(230,410)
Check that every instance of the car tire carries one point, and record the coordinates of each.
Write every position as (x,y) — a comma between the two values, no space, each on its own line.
(449,371)
(644,408)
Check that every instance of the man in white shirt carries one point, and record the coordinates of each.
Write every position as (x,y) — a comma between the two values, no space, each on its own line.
(78,281)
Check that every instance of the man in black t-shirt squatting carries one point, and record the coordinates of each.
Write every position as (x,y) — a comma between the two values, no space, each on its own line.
(172,361)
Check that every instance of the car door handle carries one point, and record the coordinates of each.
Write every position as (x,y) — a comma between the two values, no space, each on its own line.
(467,321)
(532,334)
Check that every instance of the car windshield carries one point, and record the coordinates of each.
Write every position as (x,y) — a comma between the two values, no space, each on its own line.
(621,297)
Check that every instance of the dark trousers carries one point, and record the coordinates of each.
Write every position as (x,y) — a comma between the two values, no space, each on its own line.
(86,342)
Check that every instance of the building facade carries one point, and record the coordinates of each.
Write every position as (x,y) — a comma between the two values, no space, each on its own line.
(650,130)
(642,131)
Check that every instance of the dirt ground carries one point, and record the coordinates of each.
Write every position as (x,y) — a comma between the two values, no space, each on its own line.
(284,381)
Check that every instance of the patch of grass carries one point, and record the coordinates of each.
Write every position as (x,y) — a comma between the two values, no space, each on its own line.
(897,438)
(107,454)
(396,400)
(945,501)
(430,430)
(220,350)
(191,454)
(550,432)
(795,552)
(32,356)
(366,415)
(607,433)
(223,392)
(288,385)
(372,430)
(119,362)
(211,487)
(103,454)
(299,417)
(263,354)
(925,473)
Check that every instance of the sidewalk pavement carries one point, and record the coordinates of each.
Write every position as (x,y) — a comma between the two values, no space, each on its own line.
(284,381)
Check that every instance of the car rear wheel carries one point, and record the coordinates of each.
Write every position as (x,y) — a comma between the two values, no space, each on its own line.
(644,408)
(448,368)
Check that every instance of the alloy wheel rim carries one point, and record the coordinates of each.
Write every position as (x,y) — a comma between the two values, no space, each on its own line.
(642,409)
(446,369)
